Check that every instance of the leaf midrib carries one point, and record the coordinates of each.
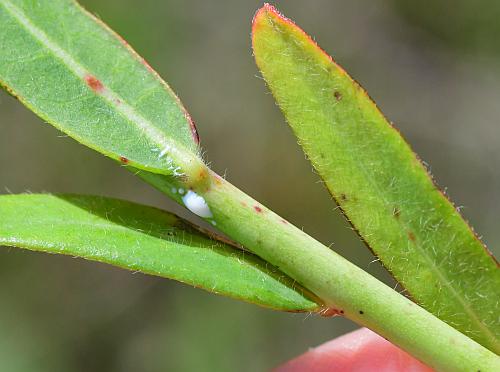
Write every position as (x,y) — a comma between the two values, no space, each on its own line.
(164,143)
(423,252)
(106,227)
(431,264)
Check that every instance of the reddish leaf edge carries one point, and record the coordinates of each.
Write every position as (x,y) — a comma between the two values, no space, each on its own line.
(268,9)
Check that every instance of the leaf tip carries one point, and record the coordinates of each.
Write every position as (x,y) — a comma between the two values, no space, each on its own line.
(265,20)
(265,12)
(270,16)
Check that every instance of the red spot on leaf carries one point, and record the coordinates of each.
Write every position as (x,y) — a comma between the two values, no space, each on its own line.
(257,209)
(284,222)
(123,159)
(94,83)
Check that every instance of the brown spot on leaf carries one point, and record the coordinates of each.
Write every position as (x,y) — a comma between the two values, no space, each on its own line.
(123,159)
(337,95)
(411,236)
(257,209)
(343,197)
(396,212)
(361,312)
(203,173)
(94,83)
(284,222)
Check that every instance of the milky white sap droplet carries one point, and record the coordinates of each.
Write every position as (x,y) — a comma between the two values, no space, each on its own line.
(196,204)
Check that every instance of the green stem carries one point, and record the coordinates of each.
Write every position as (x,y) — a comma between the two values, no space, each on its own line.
(341,285)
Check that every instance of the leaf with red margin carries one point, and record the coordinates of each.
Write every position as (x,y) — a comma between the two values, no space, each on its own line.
(75,73)
(379,182)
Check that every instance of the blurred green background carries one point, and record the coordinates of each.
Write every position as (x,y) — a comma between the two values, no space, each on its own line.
(434,69)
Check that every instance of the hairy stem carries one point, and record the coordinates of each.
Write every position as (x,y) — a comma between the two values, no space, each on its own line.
(341,285)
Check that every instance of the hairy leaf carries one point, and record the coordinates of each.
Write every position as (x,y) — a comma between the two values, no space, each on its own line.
(145,239)
(379,182)
(76,74)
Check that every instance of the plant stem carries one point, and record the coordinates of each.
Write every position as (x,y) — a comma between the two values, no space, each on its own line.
(342,286)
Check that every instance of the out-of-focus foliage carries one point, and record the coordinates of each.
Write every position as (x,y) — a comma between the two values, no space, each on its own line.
(467,26)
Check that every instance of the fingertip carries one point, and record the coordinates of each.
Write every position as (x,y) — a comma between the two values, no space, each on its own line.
(358,351)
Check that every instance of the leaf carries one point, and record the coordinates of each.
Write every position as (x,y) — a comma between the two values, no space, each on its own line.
(145,239)
(378,181)
(78,75)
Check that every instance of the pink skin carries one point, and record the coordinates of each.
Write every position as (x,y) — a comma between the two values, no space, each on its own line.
(358,351)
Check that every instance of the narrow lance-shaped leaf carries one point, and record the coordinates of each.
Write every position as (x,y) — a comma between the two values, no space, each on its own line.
(145,239)
(379,182)
(76,74)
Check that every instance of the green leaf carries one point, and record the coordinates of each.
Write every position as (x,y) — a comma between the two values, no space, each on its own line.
(78,75)
(378,181)
(145,239)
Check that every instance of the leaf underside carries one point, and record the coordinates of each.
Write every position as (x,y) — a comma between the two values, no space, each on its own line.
(377,180)
(144,239)
(78,75)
